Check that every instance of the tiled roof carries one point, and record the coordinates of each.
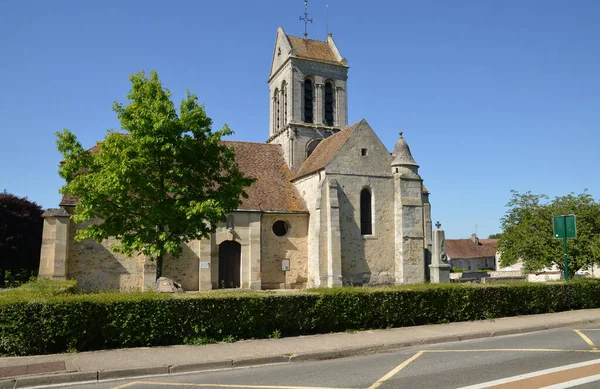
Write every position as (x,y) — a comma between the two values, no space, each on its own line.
(312,49)
(325,151)
(272,190)
(466,248)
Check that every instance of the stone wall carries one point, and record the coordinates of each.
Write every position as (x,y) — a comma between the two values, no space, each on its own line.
(184,269)
(311,189)
(367,259)
(293,246)
(246,231)
(97,268)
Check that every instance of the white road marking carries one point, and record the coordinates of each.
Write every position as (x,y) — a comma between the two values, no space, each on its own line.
(531,375)
(570,384)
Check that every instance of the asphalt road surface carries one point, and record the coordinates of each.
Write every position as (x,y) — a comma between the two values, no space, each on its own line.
(555,359)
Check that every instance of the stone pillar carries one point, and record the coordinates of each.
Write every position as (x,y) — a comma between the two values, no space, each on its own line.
(318,104)
(410,240)
(334,248)
(149,275)
(341,103)
(439,268)
(314,241)
(204,255)
(55,244)
(254,280)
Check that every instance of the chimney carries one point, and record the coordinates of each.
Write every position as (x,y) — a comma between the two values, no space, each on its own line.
(475,239)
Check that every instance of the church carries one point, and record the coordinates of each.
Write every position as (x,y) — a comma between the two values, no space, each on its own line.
(331,206)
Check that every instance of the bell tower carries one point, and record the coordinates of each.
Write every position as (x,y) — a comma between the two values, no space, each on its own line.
(308,95)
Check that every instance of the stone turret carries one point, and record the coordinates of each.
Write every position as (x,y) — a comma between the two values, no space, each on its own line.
(409,217)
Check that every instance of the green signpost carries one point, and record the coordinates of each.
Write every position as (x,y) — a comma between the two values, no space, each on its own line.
(564,228)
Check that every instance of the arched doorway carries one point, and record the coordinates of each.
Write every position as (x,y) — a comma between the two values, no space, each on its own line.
(229,264)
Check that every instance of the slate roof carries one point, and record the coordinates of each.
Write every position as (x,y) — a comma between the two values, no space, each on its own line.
(466,248)
(325,151)
(273,190)
(312,49)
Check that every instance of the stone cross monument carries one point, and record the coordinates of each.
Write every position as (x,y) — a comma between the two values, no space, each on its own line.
(439,268)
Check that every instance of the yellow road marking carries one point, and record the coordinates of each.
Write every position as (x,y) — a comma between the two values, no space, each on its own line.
(125,385)
(219,385)
(587,340)
(395,371)
(377,383)
(591,329)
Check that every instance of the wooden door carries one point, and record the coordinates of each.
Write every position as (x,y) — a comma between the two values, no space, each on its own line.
(229,264)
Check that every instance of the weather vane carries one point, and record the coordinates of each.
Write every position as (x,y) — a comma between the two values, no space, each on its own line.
(305,19)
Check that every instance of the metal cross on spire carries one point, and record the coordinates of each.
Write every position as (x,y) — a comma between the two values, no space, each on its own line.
(305,19)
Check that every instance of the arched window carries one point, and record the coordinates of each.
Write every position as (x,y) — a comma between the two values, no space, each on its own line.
(276,109)
(329,98)
(284,102)
(308,101)
(366,220)
(311,146)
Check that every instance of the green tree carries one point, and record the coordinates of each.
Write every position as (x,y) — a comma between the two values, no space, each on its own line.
(166,179)
(495,236)
(527,231)
(21,226)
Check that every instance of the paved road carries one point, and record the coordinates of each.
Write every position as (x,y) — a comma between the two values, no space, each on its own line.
(555,359)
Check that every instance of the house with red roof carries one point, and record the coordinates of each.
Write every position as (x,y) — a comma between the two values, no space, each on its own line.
(472,254)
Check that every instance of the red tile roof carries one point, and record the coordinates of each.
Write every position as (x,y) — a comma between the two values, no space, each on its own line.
(466,248)
(273,190)
(312,49)
(325,151)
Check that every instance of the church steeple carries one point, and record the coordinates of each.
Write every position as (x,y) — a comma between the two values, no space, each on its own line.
(308,98)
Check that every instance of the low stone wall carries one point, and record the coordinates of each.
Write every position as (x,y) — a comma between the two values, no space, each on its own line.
(505,273)
(544,277)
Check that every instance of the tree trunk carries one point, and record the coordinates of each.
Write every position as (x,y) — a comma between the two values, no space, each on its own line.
(159,259)
(159,266)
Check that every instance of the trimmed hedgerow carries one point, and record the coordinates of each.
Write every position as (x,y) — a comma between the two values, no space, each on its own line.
(41,324)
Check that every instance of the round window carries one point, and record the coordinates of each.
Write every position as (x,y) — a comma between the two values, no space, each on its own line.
(280,228)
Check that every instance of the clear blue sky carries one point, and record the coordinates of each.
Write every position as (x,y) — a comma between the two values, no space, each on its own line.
(491,95)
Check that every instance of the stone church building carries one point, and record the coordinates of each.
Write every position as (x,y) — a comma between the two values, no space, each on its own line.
(331,206)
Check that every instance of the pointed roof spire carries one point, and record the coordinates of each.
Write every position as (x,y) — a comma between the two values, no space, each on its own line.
(402,155)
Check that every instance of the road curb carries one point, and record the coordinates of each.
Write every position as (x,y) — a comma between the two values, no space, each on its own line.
(101,376)
(203,366)
(261,361)
(8,384)
(135,372)
(58,378)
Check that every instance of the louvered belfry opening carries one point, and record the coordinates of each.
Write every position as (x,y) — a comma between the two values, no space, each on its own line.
(366,224)
(308,101)
(329,104)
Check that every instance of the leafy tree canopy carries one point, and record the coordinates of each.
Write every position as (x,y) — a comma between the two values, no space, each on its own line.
(527,231)
(495,236)
(164,180)
(21,226)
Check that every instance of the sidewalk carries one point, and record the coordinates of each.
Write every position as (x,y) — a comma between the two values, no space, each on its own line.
(93,366)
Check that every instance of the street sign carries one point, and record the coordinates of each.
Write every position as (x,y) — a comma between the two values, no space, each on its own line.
(564,228)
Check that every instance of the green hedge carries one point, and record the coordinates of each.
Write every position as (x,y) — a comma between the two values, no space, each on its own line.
(59,323)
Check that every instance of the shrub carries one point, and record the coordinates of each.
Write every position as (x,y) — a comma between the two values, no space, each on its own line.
(58,322)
